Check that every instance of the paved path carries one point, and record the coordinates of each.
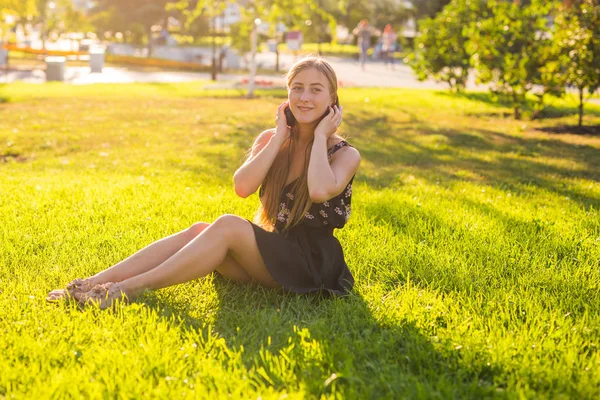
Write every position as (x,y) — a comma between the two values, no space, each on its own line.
(349,73)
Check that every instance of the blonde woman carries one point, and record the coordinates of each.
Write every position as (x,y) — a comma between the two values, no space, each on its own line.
(303,171)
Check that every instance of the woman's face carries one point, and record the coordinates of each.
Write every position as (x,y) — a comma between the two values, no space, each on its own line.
(309,95)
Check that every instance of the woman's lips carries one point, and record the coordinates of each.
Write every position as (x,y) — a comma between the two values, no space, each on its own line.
(304,108)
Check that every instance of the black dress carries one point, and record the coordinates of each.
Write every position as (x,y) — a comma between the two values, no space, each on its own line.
(308,258)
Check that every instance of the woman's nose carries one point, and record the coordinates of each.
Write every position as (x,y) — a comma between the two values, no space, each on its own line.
(305,96)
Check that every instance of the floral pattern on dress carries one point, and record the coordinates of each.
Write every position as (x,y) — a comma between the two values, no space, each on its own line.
(283,213)
(318,215)
(348,191)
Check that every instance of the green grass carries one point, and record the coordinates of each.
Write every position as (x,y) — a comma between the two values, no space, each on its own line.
(474,241)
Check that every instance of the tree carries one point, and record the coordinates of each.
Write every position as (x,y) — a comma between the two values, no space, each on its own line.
(576,42)
(507,48)
(292,13)
(75,21)
(390,12)
(194,15)
(20,10)
(427,8)
(49,17)
(440,50)
(128,15)
(192,12)
(352,11)
(320,24)
(378,13)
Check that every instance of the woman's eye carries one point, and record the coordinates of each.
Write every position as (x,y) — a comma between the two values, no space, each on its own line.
(297,89)
(316,90)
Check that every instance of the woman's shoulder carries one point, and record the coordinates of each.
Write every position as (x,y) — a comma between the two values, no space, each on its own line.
(345,153)
(262,139)
(265,135)
(335,140)
(338,143)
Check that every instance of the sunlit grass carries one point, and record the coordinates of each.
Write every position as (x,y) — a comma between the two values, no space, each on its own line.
(474,241)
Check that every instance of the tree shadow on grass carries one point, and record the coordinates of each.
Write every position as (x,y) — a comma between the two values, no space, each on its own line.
(497,159)
(593,130)
(501,101)
(336,345)
(451,258)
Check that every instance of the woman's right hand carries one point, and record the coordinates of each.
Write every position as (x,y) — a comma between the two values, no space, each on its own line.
(282,129)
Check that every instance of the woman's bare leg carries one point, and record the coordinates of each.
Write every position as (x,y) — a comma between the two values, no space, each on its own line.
(152,256)
(228,236)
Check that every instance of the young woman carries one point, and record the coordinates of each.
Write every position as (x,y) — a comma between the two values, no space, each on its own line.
(305,173)
(388,38)
(363,33)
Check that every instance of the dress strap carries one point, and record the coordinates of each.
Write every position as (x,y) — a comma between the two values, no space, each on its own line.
(336,147)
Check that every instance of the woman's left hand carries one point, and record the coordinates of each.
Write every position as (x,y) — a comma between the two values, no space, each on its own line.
(330,123)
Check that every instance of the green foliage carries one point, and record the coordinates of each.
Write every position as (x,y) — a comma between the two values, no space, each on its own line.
(577,47)
(423,9)
(509,47)
(291,13)
(133,18)
(320,22)
(195,15)
(378,13)
(440,50)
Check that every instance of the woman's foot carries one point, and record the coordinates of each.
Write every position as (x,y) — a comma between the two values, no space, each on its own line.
(105,295)
(75,287)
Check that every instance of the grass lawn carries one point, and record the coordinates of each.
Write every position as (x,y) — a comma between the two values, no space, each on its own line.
(474,241)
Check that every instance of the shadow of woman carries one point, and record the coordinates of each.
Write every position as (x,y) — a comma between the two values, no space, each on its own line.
(331,346)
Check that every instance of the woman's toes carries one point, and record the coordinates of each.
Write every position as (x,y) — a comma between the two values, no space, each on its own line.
(79,296)
(56,295)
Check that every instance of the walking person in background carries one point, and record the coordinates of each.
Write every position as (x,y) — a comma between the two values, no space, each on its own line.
(388,47)
(363,33)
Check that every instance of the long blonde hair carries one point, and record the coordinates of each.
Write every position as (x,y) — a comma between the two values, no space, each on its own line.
(275,180)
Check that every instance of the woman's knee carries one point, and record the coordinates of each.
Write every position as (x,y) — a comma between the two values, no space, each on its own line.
(197,228)
(229,225)
(228,221)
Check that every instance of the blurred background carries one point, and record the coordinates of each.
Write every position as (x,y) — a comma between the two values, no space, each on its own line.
(517,48)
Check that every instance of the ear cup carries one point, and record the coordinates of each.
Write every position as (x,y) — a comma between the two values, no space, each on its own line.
(291,120)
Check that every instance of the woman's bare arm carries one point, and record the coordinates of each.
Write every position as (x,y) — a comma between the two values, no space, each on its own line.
(326,180)
(248,178)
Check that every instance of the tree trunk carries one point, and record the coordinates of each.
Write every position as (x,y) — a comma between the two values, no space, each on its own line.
(516,106)
(253,44)
(149,33)
(580,107)
(43,35)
